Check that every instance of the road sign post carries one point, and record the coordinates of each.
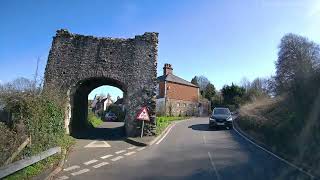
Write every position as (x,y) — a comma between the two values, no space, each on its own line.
(143,116)
(142,127)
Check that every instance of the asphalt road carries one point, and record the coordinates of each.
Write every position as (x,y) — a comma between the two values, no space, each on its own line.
(191,151)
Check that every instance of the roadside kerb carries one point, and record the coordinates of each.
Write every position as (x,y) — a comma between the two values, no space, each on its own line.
(139,142)
(162,133)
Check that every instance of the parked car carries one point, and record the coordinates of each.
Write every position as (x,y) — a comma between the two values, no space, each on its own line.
(221,117)
(110,116)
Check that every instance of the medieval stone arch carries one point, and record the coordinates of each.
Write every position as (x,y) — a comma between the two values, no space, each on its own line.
(77,64)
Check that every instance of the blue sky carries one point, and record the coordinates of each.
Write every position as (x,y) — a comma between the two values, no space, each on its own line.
(223,40)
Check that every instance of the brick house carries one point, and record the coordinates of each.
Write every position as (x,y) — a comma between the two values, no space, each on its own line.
(176,96)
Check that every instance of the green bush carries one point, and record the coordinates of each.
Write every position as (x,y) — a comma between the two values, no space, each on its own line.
(44,120)
(9,141)
(39,116)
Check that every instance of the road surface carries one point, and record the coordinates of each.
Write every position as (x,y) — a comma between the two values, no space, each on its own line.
(189,151)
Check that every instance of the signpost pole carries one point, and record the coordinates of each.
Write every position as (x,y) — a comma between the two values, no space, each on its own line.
(143,116)
(142,127)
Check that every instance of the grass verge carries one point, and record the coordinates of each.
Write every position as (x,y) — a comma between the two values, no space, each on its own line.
(93,119)
(164,121)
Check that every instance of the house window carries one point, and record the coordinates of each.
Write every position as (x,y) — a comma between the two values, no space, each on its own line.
(178,104)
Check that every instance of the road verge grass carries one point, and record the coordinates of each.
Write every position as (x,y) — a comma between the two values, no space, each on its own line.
(93,120)
(165,121)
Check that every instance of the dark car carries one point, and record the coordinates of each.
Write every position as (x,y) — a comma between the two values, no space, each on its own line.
(221,117)
(110,116)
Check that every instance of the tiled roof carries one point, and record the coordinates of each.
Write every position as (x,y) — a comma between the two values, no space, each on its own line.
(175,79)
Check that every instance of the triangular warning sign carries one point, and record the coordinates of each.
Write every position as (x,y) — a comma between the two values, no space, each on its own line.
(143,115)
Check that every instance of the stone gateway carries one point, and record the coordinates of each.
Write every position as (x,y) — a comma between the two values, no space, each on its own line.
(77,64)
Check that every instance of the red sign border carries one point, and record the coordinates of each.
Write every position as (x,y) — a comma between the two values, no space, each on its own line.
(140,111)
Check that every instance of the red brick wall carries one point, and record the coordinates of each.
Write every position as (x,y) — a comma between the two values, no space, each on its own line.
(181,92)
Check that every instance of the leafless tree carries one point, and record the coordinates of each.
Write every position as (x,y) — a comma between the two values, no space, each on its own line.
(245,83)
(298,59)
(202,82)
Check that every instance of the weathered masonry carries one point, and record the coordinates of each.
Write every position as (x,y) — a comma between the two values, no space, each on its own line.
(77,64)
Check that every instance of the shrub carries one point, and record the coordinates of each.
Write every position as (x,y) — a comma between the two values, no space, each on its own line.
(285,129)
(35,115)
(44,120)
(9,141)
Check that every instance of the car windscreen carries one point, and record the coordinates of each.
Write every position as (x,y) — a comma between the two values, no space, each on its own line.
(222,111)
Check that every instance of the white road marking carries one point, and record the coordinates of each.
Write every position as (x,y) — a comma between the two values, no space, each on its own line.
(204,139)
(132,147)
(278,157)
(100,164)
(165,134)
(97,144)
(62,178)
(214,166)
(119,152)
(71,168)
(90,162)
(106,156)
(117,158)
(129,153)
(140,149)
(80,172)
(170,126)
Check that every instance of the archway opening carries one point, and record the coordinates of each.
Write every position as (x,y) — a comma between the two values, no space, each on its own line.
(98,109)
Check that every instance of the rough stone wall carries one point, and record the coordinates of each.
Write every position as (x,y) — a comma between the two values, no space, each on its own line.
(181,108)
(77,64)
(173,107)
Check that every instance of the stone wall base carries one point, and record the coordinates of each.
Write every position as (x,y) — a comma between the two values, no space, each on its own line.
(173,107)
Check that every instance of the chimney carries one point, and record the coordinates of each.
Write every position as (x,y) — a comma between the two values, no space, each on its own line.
(167,69)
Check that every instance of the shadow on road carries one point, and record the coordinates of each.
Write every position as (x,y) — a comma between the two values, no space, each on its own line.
(205,127)
(107,131)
